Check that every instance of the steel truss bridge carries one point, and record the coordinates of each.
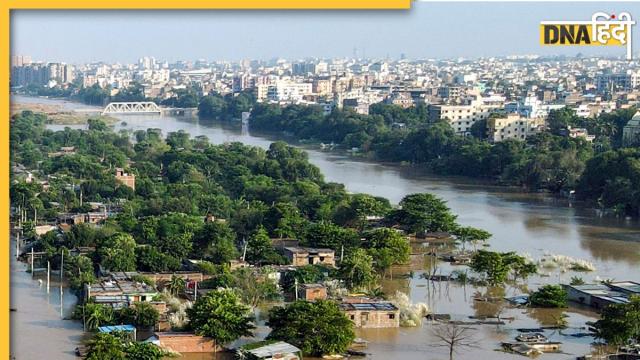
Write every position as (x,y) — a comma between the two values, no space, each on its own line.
(140,107)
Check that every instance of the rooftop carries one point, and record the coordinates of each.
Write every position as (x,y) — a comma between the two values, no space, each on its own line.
(271,350)
(372,306)
(296,249)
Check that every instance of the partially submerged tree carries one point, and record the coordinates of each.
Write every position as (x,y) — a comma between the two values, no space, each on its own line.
(620,323)
(549,296)
(357,270)
(220,315)
(455,338)
(317,328)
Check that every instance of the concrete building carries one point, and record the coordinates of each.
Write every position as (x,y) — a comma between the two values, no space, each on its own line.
(126,178)
(462,117)
(599,296)
(312,292)
(184,342)
(631,131)
(617,82)
(513,126)
(301,256)
(575,133)
(366,313)
(119,291)
(289,91)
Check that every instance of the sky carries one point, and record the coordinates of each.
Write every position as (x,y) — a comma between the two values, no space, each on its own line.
(427,30)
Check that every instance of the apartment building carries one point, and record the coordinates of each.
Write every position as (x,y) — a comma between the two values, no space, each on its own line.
(289,91)
(462,117)
(513,126)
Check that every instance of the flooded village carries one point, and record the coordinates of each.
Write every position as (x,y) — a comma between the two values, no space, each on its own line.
(435,301)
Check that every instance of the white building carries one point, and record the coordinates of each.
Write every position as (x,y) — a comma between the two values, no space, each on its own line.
(462,117)
(513,126)
(288,91)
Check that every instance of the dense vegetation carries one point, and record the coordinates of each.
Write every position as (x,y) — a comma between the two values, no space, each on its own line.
(601,171)
(316,328)
(620,323)
(253,194)
(548,161)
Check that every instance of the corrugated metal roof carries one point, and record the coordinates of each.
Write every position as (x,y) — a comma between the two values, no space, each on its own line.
(108,329)
(274,349)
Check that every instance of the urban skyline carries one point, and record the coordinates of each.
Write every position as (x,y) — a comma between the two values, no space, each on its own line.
(425,31)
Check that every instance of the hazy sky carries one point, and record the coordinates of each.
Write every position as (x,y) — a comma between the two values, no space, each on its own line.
(427,30)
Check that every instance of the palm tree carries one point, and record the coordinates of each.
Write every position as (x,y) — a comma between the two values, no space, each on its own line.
(176,285)
(97,315)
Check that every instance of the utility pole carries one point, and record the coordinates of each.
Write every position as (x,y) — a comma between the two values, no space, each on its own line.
(32,275)
(244,251)
(296,288)
(48,275)
(195,292)
(61,266)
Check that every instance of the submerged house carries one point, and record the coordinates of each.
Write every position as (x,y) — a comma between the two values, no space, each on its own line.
(183,342)
(366,313)
(268,350)
(599,296)
(119,291)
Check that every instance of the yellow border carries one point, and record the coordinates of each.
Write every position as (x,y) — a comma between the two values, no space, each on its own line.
(208,4)
(8,5)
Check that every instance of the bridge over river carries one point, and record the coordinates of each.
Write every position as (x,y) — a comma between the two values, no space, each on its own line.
(142,108)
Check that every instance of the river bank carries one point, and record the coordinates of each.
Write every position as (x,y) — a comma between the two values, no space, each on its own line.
(58,113)
(533,224)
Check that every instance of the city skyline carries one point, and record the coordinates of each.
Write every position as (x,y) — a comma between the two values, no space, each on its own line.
(484,30)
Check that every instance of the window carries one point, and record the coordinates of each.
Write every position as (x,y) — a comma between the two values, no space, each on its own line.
(392,316)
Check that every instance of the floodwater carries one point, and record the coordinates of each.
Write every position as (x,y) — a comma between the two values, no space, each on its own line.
(533,224)
(38,330)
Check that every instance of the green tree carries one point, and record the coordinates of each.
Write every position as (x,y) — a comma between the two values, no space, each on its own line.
(307,274)
(424,213)
(146,316)
(261,251)
(94,315)
(176,285)
(549,296)
(620,323)
(215,242)
(220,315)
(357,270)
(78,270)
(492,265)
(331,332)
(325,234)
(388,247)
(117,253)
(470,234)
(105,346)
(144,351)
